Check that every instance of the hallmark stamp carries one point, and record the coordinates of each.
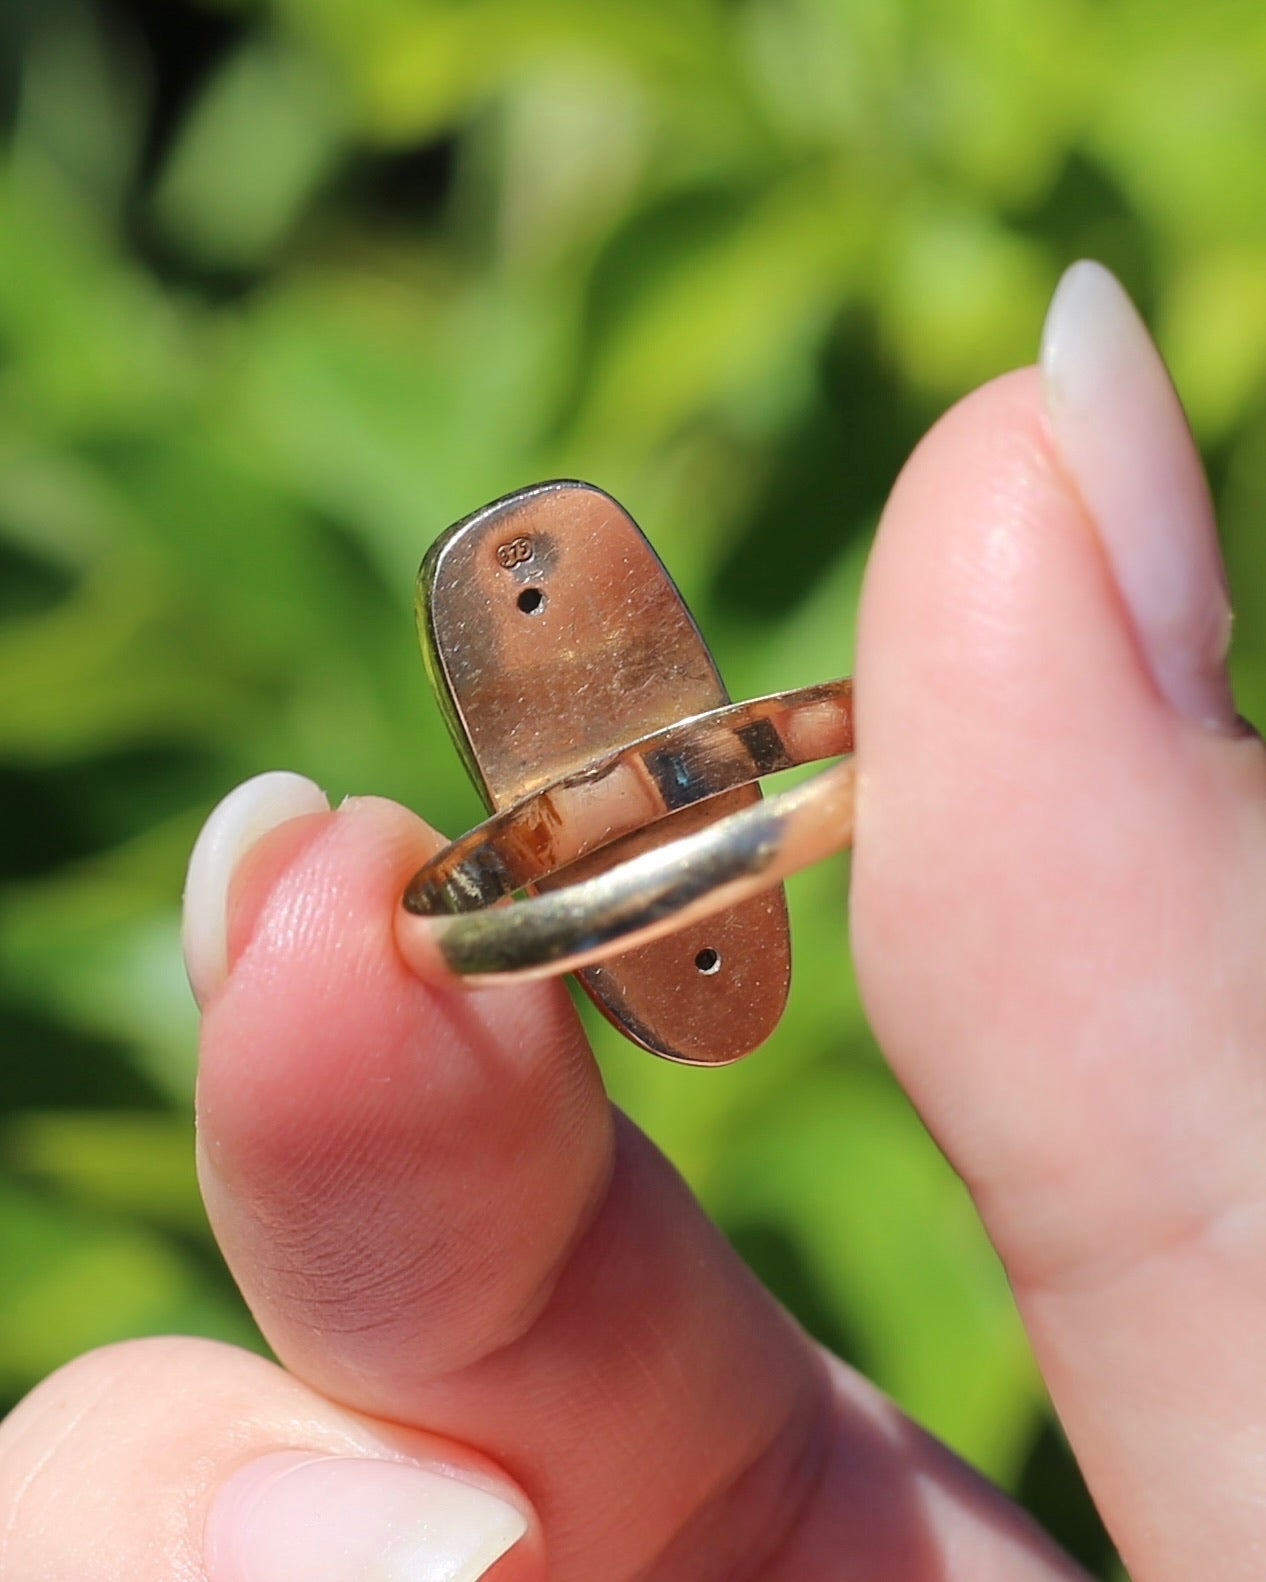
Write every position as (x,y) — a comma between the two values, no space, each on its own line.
(517,552)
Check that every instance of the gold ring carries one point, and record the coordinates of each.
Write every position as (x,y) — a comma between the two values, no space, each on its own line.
(652,894)
(621,782)
(655,893)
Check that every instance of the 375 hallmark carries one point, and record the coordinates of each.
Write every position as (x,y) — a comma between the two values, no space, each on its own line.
(516,552)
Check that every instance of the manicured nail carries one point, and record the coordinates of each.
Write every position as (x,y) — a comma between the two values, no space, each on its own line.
(293,1515)
(254,808)
(1124,439)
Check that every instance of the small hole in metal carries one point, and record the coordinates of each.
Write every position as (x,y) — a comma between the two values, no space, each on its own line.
(708,961)
(531,601)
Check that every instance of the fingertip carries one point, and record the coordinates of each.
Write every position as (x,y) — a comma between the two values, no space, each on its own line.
(1050,855)
(235,826)
(1008,735)
(400,1133)
(1119,427)
(257,874)
(375,836)
(988,619)
(176,1468)
(418,941)
(292,1513)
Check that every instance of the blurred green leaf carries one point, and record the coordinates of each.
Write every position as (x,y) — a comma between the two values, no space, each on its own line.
(416,65)
(89,344)
(140,1165)
(268,112)
(683,337)
(891,1235)
(74,1282)
(83,105)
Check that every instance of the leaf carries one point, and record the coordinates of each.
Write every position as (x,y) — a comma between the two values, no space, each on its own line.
(72,1283)
(417,66)
(82,105)
(1214,332)
(140,1165)
(892,1236)
(718,309)
(91,346)
(963,296)
(263,136)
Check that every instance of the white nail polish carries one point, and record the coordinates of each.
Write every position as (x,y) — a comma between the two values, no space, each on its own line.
(1124,439)
(246,814)
(293,1515)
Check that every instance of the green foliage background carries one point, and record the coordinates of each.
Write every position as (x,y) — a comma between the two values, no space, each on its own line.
(285,287)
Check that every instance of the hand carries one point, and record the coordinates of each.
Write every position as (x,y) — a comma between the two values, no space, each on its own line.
(1059,902)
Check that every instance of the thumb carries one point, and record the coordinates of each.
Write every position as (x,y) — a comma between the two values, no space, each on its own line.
(1059,893)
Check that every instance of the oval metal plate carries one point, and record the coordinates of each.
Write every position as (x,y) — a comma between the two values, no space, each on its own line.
(553,634)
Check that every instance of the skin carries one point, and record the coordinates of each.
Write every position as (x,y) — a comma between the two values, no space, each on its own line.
(459,1251)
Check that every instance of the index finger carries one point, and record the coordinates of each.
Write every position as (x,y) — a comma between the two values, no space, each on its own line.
(438,1219)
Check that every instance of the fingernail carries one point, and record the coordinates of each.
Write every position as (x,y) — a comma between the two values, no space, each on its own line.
(1121,431)
(246,814)
(294,1515)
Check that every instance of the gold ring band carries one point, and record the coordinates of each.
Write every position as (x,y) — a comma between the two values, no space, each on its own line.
(660,890)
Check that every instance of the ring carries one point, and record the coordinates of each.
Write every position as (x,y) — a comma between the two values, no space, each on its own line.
(620,781)
(657,891)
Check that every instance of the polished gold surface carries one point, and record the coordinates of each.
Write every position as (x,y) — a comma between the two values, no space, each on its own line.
(630,789)
(554,637)
(653,895)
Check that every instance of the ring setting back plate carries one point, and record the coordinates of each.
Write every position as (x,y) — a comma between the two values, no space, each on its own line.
(553,635)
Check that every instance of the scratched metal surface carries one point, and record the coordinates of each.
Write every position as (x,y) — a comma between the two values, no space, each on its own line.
(553,634)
